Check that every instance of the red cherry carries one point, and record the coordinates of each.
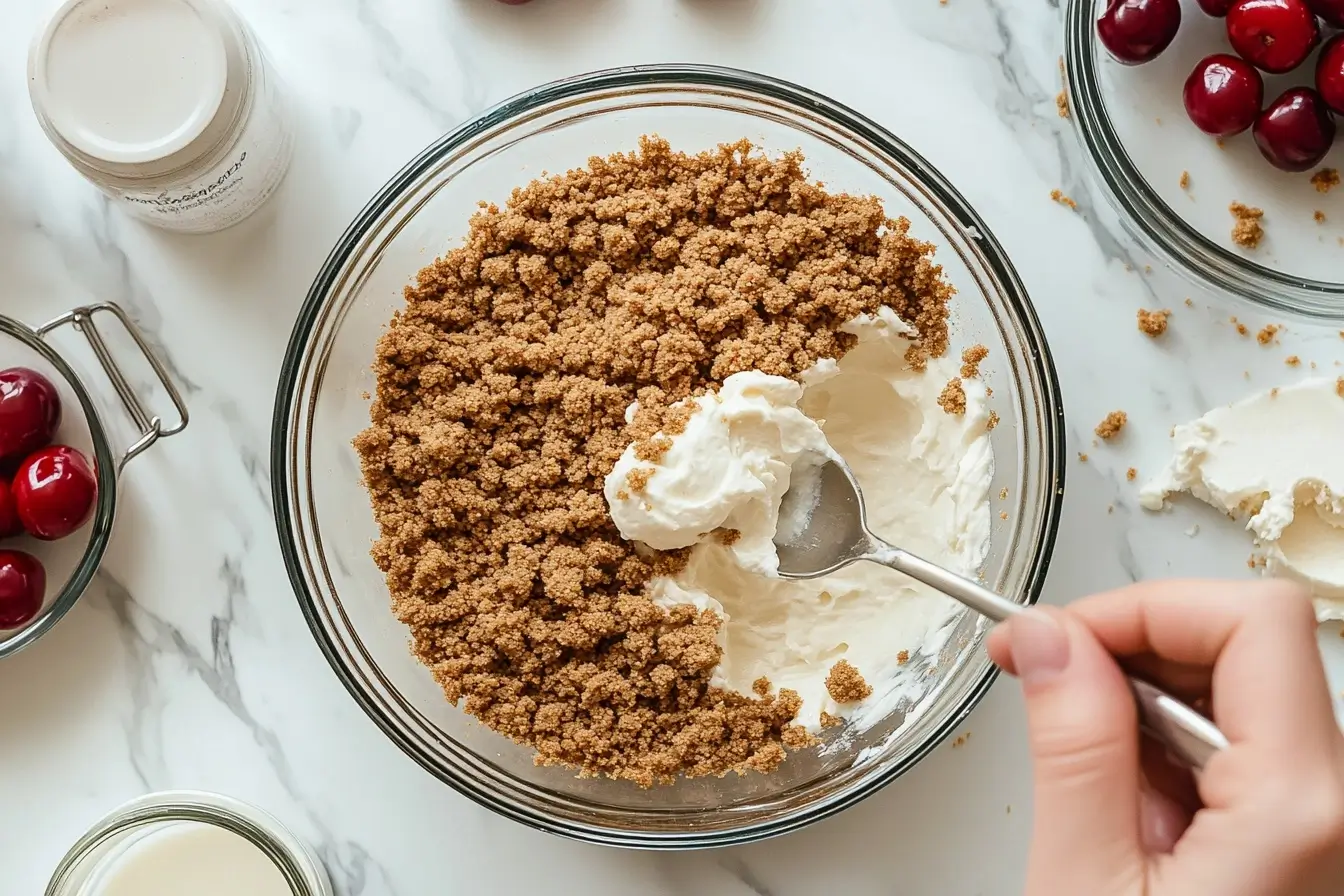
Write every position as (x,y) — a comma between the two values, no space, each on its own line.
(1295,131)
(55,489)
(23,585)
(1273,35)
(1137,31)
(1330,73)
(10,524)
(1216,8)
(1223,95)
(30,411)
(1330,10)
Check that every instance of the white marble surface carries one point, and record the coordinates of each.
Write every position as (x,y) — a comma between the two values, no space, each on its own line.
(188,665)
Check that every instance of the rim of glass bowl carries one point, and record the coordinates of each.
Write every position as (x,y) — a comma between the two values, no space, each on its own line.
(302,366)
(302,871)
(105,468)
(1146,213)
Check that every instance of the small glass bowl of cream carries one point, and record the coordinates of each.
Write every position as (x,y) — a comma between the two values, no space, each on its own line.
(170,843)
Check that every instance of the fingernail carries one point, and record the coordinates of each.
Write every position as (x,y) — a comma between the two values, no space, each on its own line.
(1039,645)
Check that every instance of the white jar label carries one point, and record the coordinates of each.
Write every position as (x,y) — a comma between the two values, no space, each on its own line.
(237,186)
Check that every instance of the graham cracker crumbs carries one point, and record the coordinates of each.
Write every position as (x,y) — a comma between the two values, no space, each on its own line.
(970,361)
(1189,302)
(1058,196)
(953,397)
(1319,216)
(1153,323)
(1339,387)
(1131,474)
(1267,334)
(502,388)
(1111,426)
(846,685)
(761,686)
(1218,142)
(993,420)
(727,537)
(1062,104)
(903,657)
(828,720)
(961,740)
(638,479)
(1242,329)
(1003,514)
(1082,457)
(1325,180)
(1185,180)
(1292,360)
(1003,493)
(1246,228)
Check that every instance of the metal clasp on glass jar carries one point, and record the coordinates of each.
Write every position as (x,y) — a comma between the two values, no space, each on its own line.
(83,426)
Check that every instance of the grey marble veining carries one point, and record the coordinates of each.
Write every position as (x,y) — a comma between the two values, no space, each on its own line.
(188,664)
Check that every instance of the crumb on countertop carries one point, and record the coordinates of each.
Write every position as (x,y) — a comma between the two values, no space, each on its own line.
(1185,180)
(1242,329)
(993,420)
(903,657)
(1325,180)
(1131,474)
(1292,360)
(1110,427)
(846,685)
(1082,457)
(1319,216)
(1339,387)
(1247,230)
(1267,333)
(1003,493)
(1153,323)
(1058,196)
(961,741)
(1062,104)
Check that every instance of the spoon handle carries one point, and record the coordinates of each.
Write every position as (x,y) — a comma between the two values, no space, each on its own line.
(1190,737)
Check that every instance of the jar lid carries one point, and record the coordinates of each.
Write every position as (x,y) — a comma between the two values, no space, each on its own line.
(134,82)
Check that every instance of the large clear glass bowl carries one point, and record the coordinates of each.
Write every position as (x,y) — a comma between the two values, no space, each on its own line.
(323,514)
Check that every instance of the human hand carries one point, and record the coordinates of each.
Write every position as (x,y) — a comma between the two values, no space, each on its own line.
(1112,816)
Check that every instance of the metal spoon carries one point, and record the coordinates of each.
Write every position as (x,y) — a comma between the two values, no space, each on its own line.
(830,531)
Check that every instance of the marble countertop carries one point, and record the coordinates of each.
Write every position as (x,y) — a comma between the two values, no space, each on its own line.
(188,665)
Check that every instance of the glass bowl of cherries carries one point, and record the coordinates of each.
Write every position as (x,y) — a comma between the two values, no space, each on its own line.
(1190,109)
(58,467)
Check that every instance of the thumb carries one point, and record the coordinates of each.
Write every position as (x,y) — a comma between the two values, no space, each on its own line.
(1083,733)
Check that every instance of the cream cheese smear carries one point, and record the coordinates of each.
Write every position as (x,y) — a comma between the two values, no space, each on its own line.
(1272,460)
(926,478)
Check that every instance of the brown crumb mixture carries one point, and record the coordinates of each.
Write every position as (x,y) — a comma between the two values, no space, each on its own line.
(846,685)
(761,686)
(1325,180)
(1111,426)
(1339,387)
(1058,196)
(953,397)
(1185,180)
(903,657)
(727,537)
(1131,474)
(1319,216)
(502,389)
(1062,104)
(1241,327)
(1247,231)
(970,361)
(1153,323)
(993,420)
(1292,360)
(1082,457)
(1267,334)
(828,720)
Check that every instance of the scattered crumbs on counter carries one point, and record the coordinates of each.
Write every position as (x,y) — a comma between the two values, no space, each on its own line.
(1185,180)
(903,657)
(1319,216)
(1218,142)
(1153,323)
(1082,457)
(1003,514)
(1003,493)
(1242,329)
(1058,196)
(1339,387)
(1292,360)
(1062,104)
(993,420)
(1267,334)
(1110,427)
(1131,474)
(961,741)
(1189,302)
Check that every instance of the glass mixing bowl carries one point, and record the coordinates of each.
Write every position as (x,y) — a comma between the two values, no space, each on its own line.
(1132,123)
(326,526)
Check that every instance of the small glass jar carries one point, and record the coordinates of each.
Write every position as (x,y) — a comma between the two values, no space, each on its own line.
(168,106)
(112,841)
